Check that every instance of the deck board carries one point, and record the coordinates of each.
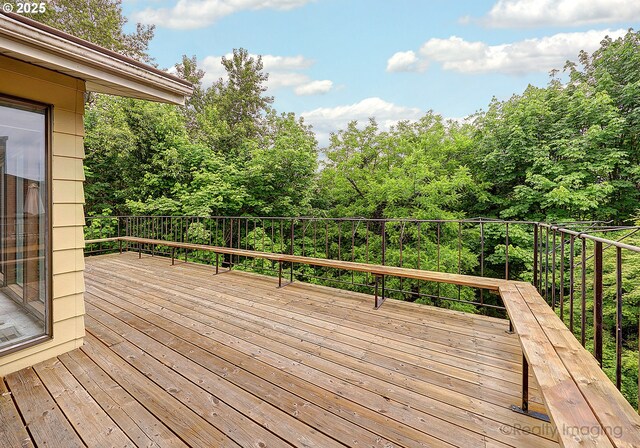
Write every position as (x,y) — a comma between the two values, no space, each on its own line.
(12,430)
(177,356)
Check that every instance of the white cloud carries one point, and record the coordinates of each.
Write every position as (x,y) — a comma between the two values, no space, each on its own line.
(191,14)
(517,58)
(530,13)
(314,87)
(404,61)
(286,62)
(284,72)
(326,120)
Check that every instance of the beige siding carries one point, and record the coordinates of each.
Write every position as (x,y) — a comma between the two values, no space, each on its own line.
(66,94)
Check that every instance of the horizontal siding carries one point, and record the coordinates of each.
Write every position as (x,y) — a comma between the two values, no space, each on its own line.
(67,145)
(68,284)
(67,168)
(70,260)
(66,94)
(68,215)
(63,97)
(68,192)
(68,307)
(65,238)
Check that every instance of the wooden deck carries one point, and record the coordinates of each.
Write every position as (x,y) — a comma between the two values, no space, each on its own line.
(177,356)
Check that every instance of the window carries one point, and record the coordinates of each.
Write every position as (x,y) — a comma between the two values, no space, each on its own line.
(25,307)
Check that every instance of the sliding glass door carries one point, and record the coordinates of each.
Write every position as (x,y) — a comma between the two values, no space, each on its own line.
(24,220)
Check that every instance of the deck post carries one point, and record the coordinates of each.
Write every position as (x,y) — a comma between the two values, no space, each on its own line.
(120,246)
(383,231)
(378,300)
(217,261)
(618,317)
(510,330)
(291,251)
(524,408)
(553,270)
(525,384)
(173,256)
(375,298)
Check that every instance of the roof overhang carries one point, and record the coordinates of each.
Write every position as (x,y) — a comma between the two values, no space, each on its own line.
(104,71)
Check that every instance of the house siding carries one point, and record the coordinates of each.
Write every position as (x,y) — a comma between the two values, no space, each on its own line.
(66,95)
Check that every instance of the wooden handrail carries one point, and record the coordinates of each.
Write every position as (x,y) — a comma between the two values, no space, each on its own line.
(102,240)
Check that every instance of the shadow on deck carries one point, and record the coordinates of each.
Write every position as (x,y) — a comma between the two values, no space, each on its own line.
(176,356)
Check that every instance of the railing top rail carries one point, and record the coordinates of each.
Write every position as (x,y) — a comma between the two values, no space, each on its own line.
(594,226)
(597,239)
(317,218)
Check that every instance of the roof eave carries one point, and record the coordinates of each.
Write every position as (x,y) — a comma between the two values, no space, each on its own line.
(102,71)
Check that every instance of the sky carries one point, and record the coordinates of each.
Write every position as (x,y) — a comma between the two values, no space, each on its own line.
(333,61)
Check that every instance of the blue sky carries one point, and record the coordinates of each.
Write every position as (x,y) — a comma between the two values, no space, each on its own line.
(333,61)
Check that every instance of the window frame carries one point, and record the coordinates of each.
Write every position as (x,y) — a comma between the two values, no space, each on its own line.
(35,106)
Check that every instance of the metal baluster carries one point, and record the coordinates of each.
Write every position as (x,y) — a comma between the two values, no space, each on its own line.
(597,303)
(571,280)
(561,276)
(583,293)
(553,271)
(506,252)
(618,317)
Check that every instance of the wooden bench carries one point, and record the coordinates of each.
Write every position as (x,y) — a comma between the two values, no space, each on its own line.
(584,405)
(102,240)
(379,271)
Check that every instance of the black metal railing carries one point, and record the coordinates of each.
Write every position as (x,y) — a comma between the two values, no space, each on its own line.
(581,275)
(477,246)
(578,271)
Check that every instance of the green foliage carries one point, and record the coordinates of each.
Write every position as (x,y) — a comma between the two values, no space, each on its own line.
(281,171)
(149,158)
(134,150)
(567,151)
(413,170)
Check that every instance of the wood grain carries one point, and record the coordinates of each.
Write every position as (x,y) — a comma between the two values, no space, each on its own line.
(13,433)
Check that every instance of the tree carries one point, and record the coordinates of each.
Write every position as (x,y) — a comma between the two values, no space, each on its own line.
(569,151)
(134,151)
(281,171)
(413,170)
(194,105)
(240,102)
(100,22)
